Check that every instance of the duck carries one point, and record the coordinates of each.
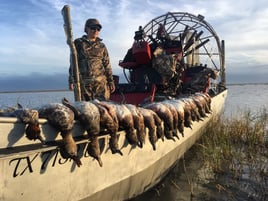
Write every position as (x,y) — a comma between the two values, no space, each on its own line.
(201,105)
(68,148)
(183,114)
(193,108)
(154,125)
(207,98)
(166,116)
(208,101)
(125,119)
(187,112)
(62,118)
(175,117)
(138,123)
(87,113)
(29,117)
(109,122)
(93,149)
(33,132)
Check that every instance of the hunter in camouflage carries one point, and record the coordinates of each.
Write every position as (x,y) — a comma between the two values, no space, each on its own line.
(95,70)
(164,64)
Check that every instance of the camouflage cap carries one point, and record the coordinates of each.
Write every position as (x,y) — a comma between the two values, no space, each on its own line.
(92,22)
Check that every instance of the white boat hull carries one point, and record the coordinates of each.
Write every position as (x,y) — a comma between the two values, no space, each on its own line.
(30,171)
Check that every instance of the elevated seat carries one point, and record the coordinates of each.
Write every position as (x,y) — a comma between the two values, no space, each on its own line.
(141,52)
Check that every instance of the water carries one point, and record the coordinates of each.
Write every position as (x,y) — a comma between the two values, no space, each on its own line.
(33,99)
(246,97)
(240,98)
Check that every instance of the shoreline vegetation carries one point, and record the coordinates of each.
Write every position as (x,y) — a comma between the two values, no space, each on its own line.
(229,162)
(235,151)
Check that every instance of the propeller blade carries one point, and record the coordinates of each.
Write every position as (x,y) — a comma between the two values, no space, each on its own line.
(197,47)
(190,41)
(201,44)
(198,35)
(184,33)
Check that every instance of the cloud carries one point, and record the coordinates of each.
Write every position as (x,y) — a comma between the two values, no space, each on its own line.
(33,40)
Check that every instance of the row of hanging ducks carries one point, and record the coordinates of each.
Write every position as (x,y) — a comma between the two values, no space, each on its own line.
(164,118)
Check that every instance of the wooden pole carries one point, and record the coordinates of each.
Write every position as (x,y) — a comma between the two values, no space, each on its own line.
(223,73)
(73,53)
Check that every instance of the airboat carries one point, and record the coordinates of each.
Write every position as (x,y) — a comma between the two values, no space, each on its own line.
(30,170)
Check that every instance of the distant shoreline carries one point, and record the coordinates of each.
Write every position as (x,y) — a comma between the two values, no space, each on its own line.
(231,84)
(62,90)
(36,91)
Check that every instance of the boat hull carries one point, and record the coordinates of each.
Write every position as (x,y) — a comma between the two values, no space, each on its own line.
(31,171)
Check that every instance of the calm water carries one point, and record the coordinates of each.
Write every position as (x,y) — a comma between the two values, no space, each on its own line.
(240,98)
(243,97)
(33,99)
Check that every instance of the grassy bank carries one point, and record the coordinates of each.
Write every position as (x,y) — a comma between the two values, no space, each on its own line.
(229,162)
(228,143)
(235,150)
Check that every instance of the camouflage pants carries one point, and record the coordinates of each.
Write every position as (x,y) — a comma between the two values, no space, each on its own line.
(95,89)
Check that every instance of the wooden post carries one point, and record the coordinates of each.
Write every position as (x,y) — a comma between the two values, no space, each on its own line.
(223,73)
(73,53)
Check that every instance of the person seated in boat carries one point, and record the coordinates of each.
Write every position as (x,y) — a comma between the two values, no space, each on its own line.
(94,64)
(169,68)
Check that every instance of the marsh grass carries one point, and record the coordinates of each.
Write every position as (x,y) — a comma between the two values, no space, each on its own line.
(229,162)
(235,149)
(236,140)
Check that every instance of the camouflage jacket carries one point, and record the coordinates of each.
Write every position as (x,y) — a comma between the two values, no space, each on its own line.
(93,60)
(164,64)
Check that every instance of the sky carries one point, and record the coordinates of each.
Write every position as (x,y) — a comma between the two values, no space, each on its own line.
(34,52)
